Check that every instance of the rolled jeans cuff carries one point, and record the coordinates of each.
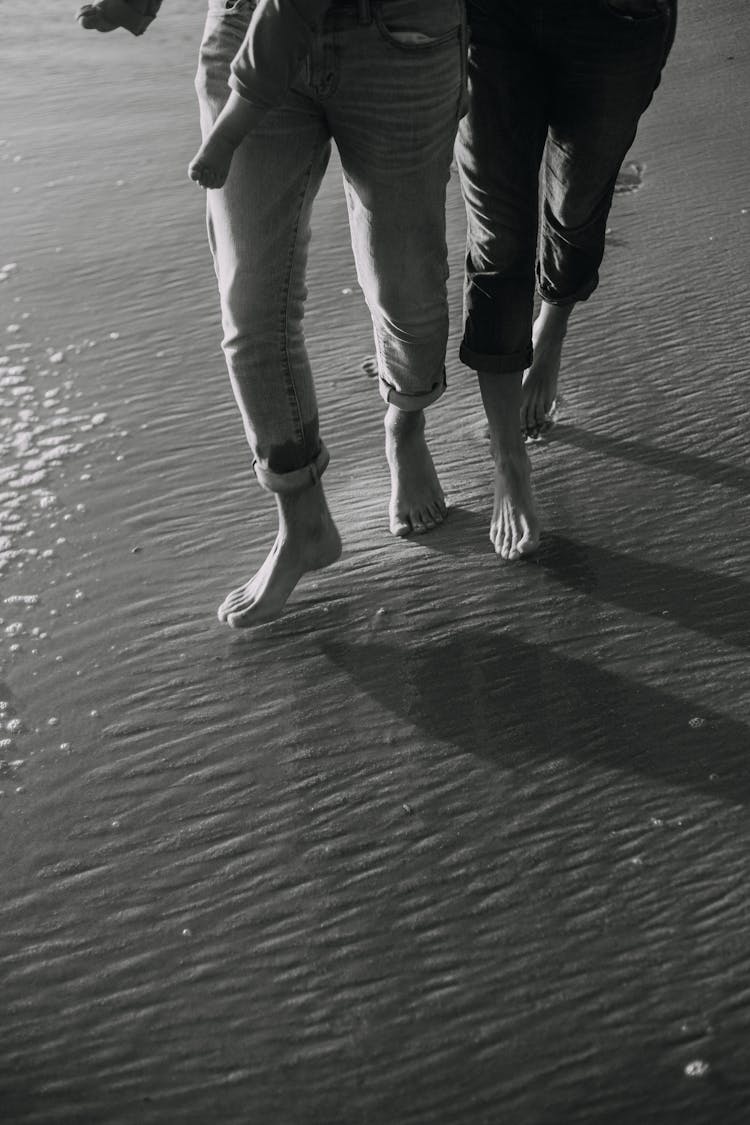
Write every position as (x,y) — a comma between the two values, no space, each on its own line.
(298,479)
(409,402)
(495,364)
(547,292)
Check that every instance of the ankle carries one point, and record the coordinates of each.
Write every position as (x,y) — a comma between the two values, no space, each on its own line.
(552,321)
(402,423)
(511,458)
(507,441)
(305,506)
(508,454)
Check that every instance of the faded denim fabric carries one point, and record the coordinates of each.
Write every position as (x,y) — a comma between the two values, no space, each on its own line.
(386,82)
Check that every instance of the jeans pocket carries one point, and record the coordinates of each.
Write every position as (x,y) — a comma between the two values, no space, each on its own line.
(636,11)
(225,28)
(240,8)
(226,25)
(418,25)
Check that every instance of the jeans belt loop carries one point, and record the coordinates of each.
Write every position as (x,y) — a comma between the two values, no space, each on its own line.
(364,11)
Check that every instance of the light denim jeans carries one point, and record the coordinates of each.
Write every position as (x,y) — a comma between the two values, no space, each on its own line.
(385,80)
(556,85)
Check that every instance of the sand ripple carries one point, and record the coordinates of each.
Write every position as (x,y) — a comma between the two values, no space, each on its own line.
(452,842)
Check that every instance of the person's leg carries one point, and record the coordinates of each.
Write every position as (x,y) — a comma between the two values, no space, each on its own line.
(514,528)
(608,60)
(499,152)
(259,230)
(394,116)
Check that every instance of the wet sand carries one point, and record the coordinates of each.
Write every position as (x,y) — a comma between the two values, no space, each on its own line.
(455,841)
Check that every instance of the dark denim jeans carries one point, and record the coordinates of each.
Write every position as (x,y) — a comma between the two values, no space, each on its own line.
(557,86)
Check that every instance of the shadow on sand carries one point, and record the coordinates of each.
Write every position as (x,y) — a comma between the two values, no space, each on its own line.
(716,605)
(707,470)
(512,703)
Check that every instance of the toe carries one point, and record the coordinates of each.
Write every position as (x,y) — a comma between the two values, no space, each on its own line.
(512,535)
(528,413)
(439,510)
(225,609)
(529,426)
(256,613)
(237,620)
(242,612)
(528,544)
(235,603)
(231,604)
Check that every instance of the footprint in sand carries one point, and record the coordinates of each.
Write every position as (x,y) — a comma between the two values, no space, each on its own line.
(629,178)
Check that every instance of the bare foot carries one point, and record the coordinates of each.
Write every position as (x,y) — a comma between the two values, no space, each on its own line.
(540,380)
(210,166)
(514,531)
(307,540)
(540,390)
(417,502)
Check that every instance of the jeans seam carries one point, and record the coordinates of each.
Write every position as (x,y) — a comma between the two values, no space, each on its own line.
(328,44)
(463,92)
(286,362)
